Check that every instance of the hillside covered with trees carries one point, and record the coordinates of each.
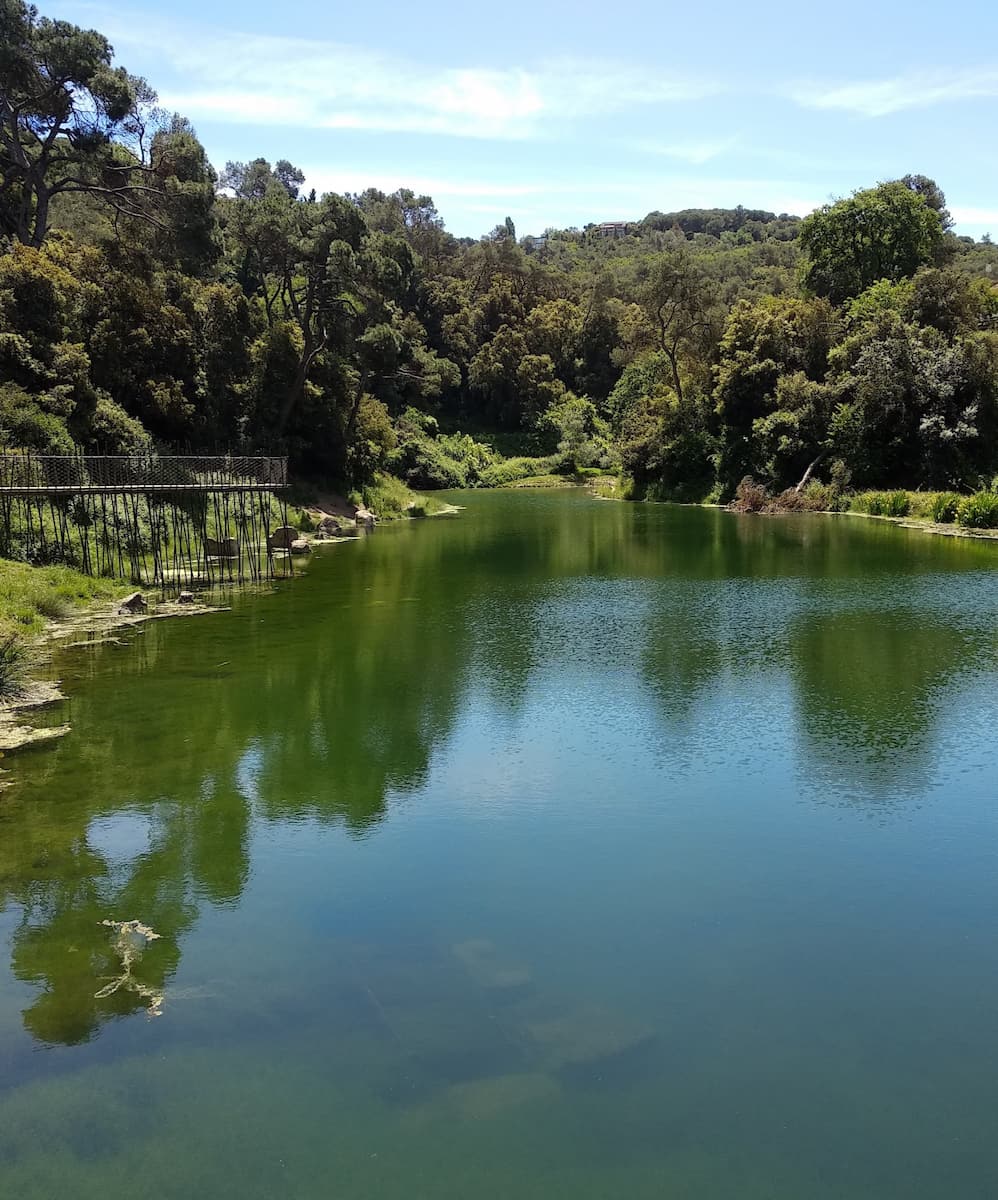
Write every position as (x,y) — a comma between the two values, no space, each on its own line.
(148,299)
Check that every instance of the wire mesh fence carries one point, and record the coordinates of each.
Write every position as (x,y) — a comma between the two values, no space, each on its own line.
(76,474)
(182,520)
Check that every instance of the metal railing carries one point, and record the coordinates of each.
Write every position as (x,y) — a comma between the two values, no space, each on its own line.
(69,474)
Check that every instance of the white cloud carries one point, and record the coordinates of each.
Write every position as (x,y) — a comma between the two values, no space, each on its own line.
(334,85)
(963,215)
(347,179)
(880,98)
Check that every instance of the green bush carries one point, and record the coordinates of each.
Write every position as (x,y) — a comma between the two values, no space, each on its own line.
(898,504)
(944,507)
(425,458)
(512,469)
(822,497)
(979,511)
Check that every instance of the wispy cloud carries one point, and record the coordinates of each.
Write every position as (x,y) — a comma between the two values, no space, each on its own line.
(695,152)
(882,97)
(334,85)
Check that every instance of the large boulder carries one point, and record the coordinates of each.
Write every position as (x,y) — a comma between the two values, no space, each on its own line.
(332,526)
(300,546)
(227,547)
(134,603)
(282,537)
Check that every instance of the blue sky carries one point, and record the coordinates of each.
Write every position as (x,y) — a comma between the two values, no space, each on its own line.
(561,113)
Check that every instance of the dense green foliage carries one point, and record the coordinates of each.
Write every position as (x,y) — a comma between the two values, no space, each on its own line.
(147,300)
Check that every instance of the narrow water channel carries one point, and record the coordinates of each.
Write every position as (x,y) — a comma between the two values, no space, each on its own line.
(559,848)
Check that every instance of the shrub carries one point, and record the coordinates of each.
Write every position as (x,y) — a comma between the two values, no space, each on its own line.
(979,511)
(944,507)
(898,504)
(385,496)
(750,496)
(512,469)
(788,501)
(426,458)
(822,497)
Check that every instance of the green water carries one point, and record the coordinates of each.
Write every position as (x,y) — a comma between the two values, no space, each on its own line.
(559,849)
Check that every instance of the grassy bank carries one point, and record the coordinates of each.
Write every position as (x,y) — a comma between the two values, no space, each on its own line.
(975,511)
(953,512)
(31,597)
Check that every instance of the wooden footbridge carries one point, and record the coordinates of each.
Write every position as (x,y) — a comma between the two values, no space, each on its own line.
(167,521)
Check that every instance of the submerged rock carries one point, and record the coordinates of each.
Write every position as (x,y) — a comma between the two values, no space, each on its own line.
(482,1099)
(489,968)
(588,1035)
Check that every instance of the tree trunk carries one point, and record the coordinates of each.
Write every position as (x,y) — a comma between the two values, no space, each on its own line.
(355,410)
(673,358)
(807,474)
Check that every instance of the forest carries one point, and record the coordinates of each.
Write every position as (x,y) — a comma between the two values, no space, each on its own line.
(151,300)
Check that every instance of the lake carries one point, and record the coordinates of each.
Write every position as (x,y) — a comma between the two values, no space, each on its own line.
(558,848)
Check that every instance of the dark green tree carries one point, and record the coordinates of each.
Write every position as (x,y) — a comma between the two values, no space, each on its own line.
(886,232)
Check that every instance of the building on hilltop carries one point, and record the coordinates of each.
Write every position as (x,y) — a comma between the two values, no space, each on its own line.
(610,229)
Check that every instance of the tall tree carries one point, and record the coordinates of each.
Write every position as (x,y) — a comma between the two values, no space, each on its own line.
(886,232)
(69,122)
(679,301)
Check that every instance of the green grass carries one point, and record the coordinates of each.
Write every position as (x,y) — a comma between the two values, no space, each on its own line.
(544,481)
(607,486)
(32,596)
(390,499)
(883,504)
(979,511)
(944,507)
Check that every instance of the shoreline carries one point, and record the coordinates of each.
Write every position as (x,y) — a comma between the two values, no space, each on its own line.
(915,523)
(98,624)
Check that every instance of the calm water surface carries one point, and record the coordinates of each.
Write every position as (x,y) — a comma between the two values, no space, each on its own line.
(558,849)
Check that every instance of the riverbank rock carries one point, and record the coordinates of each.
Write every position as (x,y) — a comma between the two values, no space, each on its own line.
(16,737)
(330,526)
(134,603)
(282,537)
(185,598)
(365,519)
(300,546)
(227,547)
